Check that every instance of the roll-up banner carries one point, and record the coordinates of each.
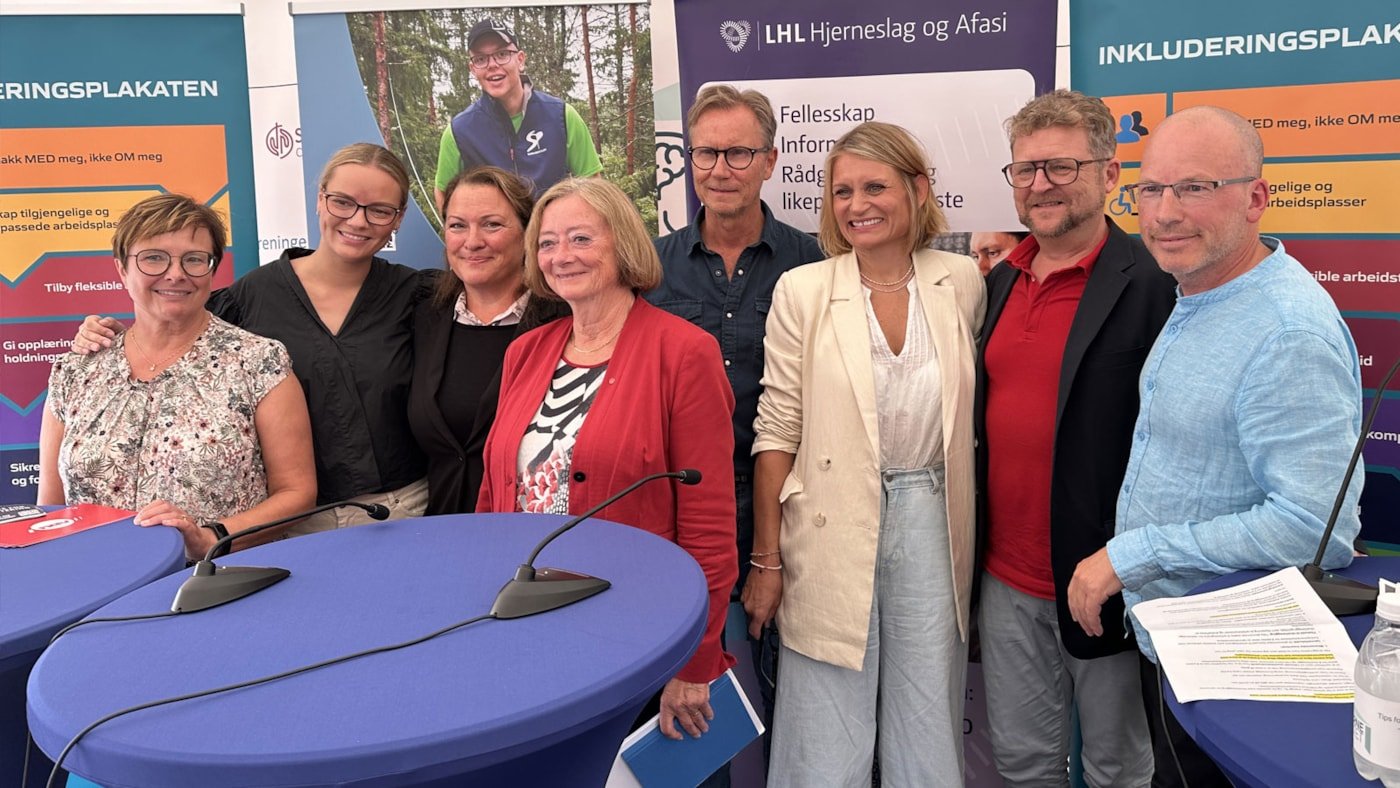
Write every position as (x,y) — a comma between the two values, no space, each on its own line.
(97,113)
(402,75)
(1321,83)
(950,72)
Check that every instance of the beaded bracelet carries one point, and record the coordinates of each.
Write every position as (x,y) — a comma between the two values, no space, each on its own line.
(763,566)
(760,555)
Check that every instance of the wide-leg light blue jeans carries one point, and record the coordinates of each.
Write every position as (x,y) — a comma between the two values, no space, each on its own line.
(910,687)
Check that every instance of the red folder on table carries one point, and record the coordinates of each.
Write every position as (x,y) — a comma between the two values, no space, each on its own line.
(58,523)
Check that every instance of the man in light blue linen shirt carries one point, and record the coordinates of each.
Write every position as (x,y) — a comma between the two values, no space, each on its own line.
(1250,400)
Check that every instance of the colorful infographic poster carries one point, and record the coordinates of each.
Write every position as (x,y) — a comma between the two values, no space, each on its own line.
(948,72)
(125,107)
(1321,83)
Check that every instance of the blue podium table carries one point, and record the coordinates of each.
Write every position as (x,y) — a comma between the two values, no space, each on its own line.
(1284,744)
(540,700)
(47,586)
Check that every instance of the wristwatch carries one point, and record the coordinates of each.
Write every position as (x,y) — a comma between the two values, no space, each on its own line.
(220,532)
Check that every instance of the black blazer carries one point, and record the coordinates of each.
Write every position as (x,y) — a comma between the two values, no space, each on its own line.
(455,470)
(1125,303)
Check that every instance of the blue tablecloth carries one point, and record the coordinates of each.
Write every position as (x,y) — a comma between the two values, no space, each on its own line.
(45,587)
(539,700)
(1282,744)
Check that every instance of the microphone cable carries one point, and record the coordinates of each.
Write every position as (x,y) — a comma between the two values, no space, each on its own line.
(686,476)
(139,617)
(29,737)
(58,763)
(1166,730)
(376,511)
(28,747)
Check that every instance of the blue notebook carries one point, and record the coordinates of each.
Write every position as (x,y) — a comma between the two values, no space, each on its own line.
(655,761)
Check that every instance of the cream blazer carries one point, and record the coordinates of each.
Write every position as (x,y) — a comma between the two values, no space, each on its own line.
(818,403)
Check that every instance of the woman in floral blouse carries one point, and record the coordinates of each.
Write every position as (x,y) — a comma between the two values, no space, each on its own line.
(190,421)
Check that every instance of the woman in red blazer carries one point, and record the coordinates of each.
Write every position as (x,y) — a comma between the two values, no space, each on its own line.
(620,390)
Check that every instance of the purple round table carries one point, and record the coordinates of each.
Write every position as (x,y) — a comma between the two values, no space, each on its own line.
(539,700)
(47,586)
(1282,744)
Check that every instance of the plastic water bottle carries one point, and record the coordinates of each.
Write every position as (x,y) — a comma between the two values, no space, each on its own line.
(1376,717)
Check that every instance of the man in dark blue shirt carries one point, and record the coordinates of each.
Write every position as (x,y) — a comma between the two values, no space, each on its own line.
(719,273)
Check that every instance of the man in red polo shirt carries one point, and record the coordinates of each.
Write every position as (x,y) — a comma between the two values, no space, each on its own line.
(1070,318)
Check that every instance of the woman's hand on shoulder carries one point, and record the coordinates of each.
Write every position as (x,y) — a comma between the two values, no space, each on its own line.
(198,539)
(95,334)
(687,704)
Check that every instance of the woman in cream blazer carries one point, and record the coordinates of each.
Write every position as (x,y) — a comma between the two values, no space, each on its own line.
(863,497)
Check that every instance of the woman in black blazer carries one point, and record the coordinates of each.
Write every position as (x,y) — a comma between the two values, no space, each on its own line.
(460,334)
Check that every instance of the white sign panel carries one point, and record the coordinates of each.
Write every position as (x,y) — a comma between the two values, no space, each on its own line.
(277,170)
(957,116)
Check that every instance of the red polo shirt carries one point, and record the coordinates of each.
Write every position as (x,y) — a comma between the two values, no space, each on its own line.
(1023,360)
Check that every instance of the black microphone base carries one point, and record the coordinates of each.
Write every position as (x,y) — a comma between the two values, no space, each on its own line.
(550,589)
(224,584)
(1342,595)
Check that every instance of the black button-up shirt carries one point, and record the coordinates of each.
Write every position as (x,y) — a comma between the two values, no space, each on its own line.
(733,309)
(356,381)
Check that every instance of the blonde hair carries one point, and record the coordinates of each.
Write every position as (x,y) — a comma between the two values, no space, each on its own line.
(1067,109)
(895,147)
(638,267)
(166,213)
(727,96)
(370,155)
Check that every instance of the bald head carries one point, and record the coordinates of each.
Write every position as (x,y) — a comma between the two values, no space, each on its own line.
(1212,126)
(1210,234)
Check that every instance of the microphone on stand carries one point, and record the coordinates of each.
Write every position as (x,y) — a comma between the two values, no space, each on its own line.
(211,585)
(531,591)
(1342,595)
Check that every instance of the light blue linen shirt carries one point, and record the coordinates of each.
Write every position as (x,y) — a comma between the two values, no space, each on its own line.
(1250,409)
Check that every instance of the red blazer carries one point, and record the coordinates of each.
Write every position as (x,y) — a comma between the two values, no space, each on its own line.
(665,405)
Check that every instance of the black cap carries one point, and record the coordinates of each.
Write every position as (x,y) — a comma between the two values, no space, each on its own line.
(491,27)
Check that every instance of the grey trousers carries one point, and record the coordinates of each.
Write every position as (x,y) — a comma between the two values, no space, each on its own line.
(910,685)
(1031,682)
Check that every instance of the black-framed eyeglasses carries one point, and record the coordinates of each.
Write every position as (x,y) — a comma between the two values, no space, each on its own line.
(500,57)
(1060,172)
(154,262)
(1185,191)
(343,207)
(737,157)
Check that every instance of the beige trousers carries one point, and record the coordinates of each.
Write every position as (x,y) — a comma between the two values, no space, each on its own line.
(411,500)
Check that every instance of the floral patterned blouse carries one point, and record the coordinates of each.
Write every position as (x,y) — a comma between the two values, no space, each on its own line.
(186,436)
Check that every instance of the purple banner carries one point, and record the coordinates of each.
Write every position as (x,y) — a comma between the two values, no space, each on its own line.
(722,40)
(950,73)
